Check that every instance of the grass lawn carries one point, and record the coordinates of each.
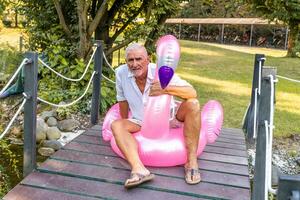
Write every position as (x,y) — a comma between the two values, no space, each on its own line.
(225,73)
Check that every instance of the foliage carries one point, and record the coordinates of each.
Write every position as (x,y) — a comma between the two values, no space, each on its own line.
(287,11)
(216,8)
(10,59)
(7,166)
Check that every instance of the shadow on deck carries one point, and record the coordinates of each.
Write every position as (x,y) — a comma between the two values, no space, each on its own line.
(87,168)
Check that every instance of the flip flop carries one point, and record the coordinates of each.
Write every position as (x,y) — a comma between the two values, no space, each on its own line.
(192,176)
(138,179)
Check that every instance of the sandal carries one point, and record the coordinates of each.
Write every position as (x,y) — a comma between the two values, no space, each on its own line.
(192,176)
(137,179)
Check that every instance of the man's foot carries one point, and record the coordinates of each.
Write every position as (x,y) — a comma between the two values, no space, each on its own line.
(137,179)
(192,175)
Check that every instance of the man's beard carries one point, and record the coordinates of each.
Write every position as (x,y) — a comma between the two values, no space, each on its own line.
(137,72)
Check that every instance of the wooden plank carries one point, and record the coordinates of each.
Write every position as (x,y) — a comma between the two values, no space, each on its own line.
(70,154)
(162,183)
(97,188)
(22,192)
(220,150)
(212,172)
(224,158)
(98,141)
(106,150)
(228,145)
(231,140)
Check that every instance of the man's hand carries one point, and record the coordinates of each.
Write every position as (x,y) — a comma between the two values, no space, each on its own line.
(156,90)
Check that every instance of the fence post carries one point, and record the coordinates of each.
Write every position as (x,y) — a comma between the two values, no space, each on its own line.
(30,93)
(249,121)
(260,191)
(98,62)
(21,44)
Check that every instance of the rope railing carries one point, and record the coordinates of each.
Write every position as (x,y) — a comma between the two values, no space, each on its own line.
(25,60)
(67,78)
(109,80)
(108,64)
(72,103)
(289,79)
(13,119)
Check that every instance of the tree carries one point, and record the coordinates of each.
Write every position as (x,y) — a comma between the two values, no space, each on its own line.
(109,20)
(287,11)
(216,8)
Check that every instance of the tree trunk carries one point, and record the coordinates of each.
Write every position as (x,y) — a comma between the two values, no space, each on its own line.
(84,43)
(293,38)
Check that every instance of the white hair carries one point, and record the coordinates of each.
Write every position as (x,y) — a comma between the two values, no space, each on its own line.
(135,46)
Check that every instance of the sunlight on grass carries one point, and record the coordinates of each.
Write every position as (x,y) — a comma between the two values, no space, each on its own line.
(288,102)
(285,101)
(198,52)
(251,50)
(229,87)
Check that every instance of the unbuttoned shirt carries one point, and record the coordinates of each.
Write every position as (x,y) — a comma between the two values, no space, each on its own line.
(127,89)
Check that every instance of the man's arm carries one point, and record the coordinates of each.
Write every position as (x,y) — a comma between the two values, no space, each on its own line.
(124,108)
(184,92)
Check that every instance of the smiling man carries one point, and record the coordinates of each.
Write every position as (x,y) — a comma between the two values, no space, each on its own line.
(134,84)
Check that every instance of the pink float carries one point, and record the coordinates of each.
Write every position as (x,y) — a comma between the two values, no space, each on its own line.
(159,144)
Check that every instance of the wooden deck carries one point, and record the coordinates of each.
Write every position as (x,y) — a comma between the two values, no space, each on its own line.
(87,168)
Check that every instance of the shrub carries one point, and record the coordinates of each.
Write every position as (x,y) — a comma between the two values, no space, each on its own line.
(7,23)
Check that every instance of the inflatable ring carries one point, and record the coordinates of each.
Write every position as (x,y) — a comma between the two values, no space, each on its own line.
(158,144)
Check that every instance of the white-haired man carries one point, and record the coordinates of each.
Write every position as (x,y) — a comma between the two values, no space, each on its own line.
(134,84)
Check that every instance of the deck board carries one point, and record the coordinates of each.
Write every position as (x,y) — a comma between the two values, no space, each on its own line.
(87,168)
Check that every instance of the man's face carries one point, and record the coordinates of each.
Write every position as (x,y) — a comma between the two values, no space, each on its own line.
(137,61)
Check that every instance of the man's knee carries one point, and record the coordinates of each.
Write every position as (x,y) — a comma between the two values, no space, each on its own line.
(116,126)
(192,105)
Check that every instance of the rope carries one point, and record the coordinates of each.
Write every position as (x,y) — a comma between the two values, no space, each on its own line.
(25,60)
(109,80)
(289,79)
(70,79)
(108,63)
(13,119)
(75,101)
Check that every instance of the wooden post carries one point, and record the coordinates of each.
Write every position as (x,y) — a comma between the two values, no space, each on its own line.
(30,93)
(288,187)
(259,189)
(251,35)
(222,35)
(21,43)
(96,99)
(179,31)
(199,32)
(286,37)
(249,119)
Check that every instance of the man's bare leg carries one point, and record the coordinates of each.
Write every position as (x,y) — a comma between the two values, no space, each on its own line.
(189,113)
(122,131)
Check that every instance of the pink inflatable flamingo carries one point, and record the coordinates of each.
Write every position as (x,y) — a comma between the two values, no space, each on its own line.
(160,145)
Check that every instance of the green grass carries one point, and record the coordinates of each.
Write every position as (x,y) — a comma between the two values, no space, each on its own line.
(225,73)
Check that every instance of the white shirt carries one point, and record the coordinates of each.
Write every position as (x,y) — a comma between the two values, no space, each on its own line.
(127,89)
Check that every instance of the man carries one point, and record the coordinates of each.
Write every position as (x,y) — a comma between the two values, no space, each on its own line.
(134,84)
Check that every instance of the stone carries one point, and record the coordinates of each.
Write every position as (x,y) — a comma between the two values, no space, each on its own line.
(298,160)
(16,141)
(54,144)
(46,151)
(41,130)
(46,114)
(53,133)
(16,131)
(52,121)
(68,125)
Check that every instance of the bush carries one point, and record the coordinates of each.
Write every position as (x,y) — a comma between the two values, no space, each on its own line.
(7,23)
